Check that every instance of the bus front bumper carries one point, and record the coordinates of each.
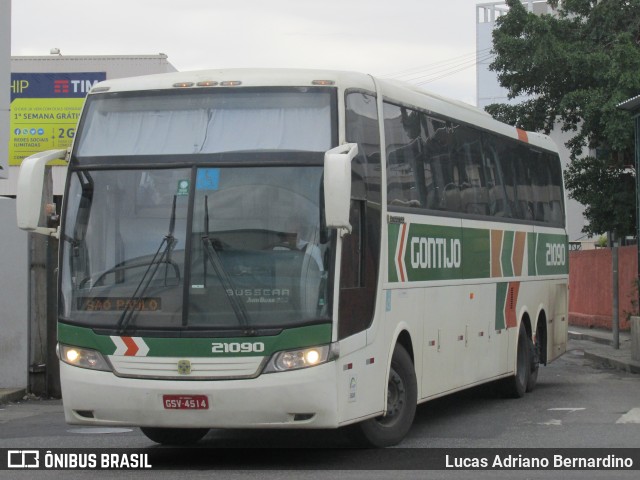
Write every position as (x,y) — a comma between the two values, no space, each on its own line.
(303,398)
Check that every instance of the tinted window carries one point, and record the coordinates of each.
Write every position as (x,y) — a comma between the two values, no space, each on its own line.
(361,248)
(437,164)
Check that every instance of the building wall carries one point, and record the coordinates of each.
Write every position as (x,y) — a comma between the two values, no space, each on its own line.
(5,79)
(14,266)
(115,66)
(591,287)
(14,316)
(488,90)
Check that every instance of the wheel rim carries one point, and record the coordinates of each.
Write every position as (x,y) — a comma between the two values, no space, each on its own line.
(396,399)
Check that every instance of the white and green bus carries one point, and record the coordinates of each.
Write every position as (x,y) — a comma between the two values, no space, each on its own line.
(297,249)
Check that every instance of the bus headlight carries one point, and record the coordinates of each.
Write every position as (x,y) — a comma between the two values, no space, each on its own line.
(83,357)
(302,358)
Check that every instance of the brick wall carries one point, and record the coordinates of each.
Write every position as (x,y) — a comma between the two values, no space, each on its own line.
(591,286)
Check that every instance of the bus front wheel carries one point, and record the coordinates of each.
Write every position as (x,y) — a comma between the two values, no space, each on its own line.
(402,394)
(174,436)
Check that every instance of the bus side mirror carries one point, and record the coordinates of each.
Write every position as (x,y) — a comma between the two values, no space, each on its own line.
(29,194)
(337,185)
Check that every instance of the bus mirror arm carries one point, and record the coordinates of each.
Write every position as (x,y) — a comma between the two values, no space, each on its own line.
(29,194)
(337,186)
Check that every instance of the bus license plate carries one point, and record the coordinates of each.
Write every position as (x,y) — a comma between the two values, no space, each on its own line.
(185,402)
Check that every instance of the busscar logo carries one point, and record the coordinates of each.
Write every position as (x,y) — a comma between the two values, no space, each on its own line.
(23,459)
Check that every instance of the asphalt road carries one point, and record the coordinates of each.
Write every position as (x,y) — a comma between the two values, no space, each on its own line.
(575,405)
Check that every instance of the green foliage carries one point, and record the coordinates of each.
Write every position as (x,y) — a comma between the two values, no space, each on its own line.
(577,65)
(633,297)
(611,206)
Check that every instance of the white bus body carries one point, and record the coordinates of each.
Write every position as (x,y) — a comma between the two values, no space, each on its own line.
(450,272)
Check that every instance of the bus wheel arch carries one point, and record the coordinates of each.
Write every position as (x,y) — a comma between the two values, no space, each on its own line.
(404,339)
(541,337)
(401,402)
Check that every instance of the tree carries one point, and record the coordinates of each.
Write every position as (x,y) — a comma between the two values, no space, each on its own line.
(577,66)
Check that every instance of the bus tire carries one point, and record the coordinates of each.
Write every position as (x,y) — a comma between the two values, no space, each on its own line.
(534,362)
(402,395)
(174,436)
(516,386)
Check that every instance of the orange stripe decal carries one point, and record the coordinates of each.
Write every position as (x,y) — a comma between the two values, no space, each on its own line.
(496,252)
(511,304)
(518,253)
(522,135)
(132,346)
(403,233)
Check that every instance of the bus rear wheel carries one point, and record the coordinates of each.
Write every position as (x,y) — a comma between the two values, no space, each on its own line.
(516,386)
(534,362)
(174,436)
(402,394)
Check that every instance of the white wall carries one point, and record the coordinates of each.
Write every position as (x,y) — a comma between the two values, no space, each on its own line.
(5,79)
(14,307)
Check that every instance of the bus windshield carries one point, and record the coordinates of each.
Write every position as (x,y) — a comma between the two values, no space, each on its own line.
(205,121)
(239,249)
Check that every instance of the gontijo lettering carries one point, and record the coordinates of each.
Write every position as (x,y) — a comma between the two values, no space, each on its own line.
(429,252)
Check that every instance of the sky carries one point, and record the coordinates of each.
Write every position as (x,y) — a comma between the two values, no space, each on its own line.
(427,42)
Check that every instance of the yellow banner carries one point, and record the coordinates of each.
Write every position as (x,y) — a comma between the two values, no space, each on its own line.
(39,124)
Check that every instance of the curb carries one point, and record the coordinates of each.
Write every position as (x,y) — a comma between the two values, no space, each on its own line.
(590,338)
(629,367)
(8,395)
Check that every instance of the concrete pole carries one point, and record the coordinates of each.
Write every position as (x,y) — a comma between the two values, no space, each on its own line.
(636,122)
(616,290)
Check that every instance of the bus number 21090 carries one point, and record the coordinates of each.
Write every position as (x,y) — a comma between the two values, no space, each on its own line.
(237,347)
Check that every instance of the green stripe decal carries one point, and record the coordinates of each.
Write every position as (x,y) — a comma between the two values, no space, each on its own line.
(501,296)
(531,253)
(476,247)
(507,252)
(199,347)
(84,337)
(419,253)
(394,238)
(552,254)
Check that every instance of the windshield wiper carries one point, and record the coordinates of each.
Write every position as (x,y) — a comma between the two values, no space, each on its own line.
(161,256)
(210,249)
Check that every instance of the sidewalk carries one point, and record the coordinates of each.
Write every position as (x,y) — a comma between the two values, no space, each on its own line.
(11,394)
(598,348)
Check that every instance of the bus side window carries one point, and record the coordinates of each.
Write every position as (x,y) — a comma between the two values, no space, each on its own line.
(404,163)
(436,160)
(555,209)
(474,197)
(361,248)
(500,195)
(351,273)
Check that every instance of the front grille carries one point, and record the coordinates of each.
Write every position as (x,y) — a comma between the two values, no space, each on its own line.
(201,368)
